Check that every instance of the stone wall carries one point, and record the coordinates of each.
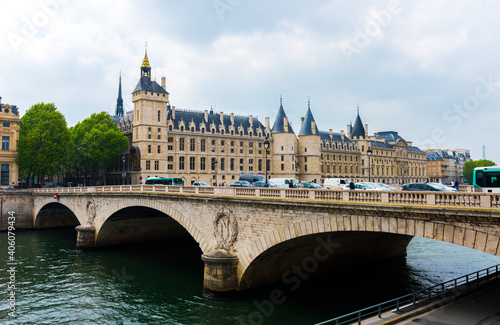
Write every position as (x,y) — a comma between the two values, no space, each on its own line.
(21,204)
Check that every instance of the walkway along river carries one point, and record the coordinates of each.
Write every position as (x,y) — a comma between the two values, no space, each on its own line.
(161,283)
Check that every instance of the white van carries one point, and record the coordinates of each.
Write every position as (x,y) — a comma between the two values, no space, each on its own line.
(284,182)
(335,183)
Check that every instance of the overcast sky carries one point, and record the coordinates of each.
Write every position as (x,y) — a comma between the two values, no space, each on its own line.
(425,69)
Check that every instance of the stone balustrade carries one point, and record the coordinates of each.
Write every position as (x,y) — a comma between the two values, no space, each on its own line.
(451,199)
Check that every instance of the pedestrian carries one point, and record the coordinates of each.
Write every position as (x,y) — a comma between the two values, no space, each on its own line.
(351,185)
(453,183)
(456,185)
(290,185)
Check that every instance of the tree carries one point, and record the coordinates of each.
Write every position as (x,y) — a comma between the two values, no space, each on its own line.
(98,143)
(43,142)
(470,165)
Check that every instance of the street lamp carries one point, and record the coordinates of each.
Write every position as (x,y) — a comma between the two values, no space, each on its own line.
(266,146)
(369,153)
(61,180)
(123,169)
(215,169)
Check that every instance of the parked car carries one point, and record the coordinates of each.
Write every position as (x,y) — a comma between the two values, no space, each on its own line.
(370,186)
(200,184)
(386,187)
(427,187)
(357,186)
(241,184)
(263,184)
(252,178)
(284,182)
(311,185)
(335,183)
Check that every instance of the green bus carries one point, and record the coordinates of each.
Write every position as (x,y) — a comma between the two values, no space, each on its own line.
(164,181)
(486,179)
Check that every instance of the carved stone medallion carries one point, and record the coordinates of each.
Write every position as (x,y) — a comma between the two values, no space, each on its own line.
(225,229)
(91,211)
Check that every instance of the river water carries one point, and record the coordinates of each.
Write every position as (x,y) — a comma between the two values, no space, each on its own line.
(161,283)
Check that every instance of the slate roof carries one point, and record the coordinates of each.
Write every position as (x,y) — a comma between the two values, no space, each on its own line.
(433,156)
(198,117)
(279,126)
(379,144)
(13,108)
(414,149)
(358,130)
(390,136)
(306,128)
(325,136)
(146,84)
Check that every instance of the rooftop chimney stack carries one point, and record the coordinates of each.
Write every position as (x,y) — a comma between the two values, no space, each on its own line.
(164,83)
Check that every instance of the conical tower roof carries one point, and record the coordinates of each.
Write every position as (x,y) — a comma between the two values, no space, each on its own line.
(307,128)
(279,122)
(358,130)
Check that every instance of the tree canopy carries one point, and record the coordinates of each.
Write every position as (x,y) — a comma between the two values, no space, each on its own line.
(43,141)
(470,165)
(98,142)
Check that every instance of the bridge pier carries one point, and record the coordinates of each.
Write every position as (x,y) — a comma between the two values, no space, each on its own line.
(220,274)
(85,237)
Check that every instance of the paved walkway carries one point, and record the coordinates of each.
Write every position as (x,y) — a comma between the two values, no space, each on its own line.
(468,305)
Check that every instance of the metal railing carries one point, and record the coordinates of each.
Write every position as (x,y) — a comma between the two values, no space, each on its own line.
(450,199)
(422,296)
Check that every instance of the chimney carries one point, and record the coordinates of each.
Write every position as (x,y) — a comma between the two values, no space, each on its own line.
(206,116)
(301,121)
(250,120)
(231,117)
(366,129)
(267,123)
(313,127)
(173,112)
(330,132)
(285,124)
(342,135)
(164,83)
(221,114)
(348,131)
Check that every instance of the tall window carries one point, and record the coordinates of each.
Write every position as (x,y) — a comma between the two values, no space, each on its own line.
(202,163)
(149,148)
(170,162)
(181,163)
(5,174)
(213,164)
(170,145)
(192,144)
(232,164)
(157,165)
(5,143)
(222,163)
(148,165)
(202,144)
(192,163)
(159,149)
(181,144)
(159,116)
(260,165)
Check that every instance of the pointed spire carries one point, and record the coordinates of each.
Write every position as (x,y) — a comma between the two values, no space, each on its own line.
(119,101)
(358,130)
(279,122)
(309,126)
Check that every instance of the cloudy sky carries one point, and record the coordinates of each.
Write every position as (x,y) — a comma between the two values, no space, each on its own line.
(426,69)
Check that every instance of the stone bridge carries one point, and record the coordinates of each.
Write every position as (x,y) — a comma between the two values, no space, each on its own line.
(250,237)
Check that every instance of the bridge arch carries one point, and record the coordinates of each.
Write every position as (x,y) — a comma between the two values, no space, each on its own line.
(118,219)
(55,215)
(383,237)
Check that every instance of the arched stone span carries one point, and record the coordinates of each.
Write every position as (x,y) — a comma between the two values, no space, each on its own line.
(372,231)
(55,215)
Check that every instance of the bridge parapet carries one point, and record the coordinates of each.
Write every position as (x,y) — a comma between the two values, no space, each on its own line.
(451,199)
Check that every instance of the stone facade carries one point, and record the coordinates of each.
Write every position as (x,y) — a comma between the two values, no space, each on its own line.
(216,148)
(445,166)
(9,133)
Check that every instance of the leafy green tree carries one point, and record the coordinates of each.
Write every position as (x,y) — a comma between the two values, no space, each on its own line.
(98,143)
(43,142)
(470,165)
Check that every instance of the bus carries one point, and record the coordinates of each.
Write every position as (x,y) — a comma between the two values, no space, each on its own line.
(486,179)
(164,181)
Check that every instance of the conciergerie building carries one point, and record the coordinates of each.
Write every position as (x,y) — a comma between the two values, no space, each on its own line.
(216,147)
